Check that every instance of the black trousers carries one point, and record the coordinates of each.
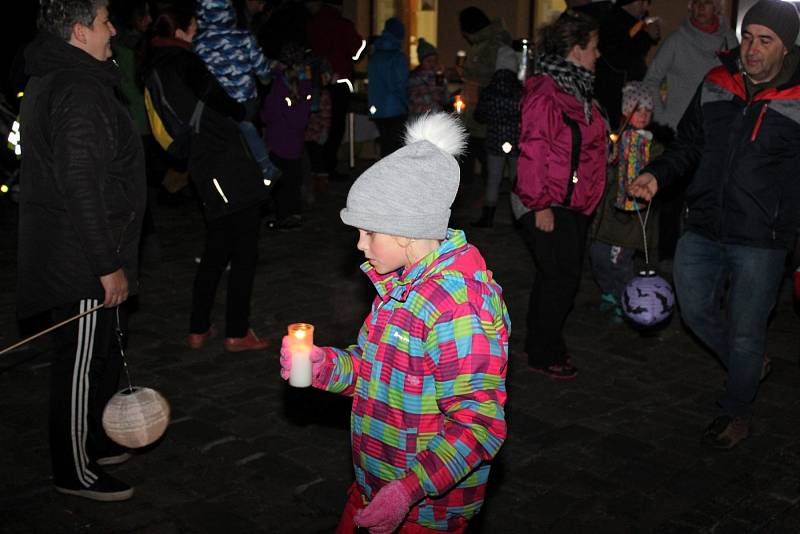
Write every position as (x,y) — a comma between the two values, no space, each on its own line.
(84,376)
(288,193)
(391,130)
(559,264)
(234,239)
(340,103)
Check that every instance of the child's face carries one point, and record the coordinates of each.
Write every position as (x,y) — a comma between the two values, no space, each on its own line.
(641,118)
(384,252)
(430,62)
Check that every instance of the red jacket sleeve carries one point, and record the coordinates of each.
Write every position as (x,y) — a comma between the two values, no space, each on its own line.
(541,121)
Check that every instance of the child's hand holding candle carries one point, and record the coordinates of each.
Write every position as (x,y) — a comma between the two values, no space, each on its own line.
(300,358)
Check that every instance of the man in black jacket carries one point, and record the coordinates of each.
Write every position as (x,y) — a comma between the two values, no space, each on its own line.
(81,206)
(740,135)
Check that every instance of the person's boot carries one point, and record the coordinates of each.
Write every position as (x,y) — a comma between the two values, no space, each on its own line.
(487,218)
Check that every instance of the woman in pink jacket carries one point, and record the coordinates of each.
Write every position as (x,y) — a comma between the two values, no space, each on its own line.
(561,176)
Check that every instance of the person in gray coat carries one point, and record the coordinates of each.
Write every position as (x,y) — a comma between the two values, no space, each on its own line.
(685,57)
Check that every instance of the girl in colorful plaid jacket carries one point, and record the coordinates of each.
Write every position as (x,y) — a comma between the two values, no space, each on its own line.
(427,372)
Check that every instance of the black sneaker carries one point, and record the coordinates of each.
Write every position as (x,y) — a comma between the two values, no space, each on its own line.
(114,458)
(105,489)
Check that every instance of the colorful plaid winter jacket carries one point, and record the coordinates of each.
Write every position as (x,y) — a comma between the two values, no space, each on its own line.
(427,377)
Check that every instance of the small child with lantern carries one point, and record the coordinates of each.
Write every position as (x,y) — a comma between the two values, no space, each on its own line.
(624,224)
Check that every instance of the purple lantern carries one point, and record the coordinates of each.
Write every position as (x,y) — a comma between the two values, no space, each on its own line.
(648,299)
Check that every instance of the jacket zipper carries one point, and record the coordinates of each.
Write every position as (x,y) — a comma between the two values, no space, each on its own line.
(775,218)
(760,119)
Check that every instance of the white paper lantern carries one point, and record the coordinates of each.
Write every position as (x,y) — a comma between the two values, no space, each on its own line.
(136,417)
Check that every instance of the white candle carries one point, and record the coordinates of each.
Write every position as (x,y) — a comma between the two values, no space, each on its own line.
(301,337)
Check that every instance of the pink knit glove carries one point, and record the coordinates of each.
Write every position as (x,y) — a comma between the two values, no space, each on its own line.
(386,511)
(317,357)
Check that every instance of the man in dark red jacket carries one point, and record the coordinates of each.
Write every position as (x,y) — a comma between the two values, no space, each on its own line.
(335,39)
(81,206)
(740,137)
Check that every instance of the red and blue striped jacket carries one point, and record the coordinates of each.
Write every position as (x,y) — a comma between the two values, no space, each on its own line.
(427,377)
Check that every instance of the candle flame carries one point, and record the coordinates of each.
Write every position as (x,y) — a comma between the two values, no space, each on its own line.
(300,334)
(614,138)
(459,104)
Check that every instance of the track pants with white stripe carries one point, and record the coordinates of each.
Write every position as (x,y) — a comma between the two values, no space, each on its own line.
(85,374)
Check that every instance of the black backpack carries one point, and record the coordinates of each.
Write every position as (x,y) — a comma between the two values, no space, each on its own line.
(171,132)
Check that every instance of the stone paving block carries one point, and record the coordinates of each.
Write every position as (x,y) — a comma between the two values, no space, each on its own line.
(622,446)
(211,518)
(194,432)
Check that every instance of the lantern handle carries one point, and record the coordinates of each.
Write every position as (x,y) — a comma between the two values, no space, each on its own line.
(55,326)
(119,334)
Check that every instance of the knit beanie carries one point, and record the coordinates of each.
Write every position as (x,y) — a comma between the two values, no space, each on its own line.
(425,49)
(717,5)
(636,94)
(472,20)
(409,192)
(780,17)
(506,59)
(395,27)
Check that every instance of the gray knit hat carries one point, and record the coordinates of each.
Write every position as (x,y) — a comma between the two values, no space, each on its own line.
(780,17)
(409,192)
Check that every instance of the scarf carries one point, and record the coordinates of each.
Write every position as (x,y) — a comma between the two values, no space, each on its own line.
(570,78)
(711,28)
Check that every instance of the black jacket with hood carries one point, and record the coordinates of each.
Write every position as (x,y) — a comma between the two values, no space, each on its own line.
(82,178)
(743,151)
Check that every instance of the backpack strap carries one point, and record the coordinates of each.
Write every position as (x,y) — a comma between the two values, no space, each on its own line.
(575,157)
(197,114)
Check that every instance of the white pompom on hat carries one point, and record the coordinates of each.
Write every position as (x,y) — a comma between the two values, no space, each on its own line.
(409,192)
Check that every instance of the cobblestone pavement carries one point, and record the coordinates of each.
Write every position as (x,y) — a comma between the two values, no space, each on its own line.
(617,450)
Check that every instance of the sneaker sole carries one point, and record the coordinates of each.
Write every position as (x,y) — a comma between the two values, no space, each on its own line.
(102,496)
(114,460)
(551,376)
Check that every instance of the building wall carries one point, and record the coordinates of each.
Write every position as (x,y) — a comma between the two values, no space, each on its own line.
(519,16)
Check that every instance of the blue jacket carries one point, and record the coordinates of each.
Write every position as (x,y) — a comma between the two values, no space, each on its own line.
(232,55)
(388,78)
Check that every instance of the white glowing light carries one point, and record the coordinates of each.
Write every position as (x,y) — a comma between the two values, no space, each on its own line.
(308,97)
(373,110)
(507,147)
(15,126)
(361,49)
(3,188)
(348,82)
(267,182)
(288,101)
(18,150)
(219,190)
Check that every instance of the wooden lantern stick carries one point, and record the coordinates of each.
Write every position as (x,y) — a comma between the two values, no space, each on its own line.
(616,136)
(43,332)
